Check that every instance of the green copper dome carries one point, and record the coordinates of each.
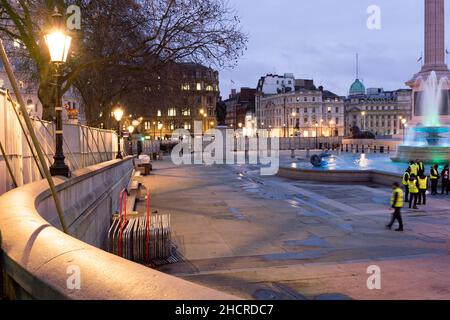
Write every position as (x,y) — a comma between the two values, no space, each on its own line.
(357,88)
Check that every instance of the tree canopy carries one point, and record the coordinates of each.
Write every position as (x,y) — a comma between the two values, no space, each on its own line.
(121,44)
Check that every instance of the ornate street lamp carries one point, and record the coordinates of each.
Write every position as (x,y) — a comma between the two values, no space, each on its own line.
(118,114)
(58,43)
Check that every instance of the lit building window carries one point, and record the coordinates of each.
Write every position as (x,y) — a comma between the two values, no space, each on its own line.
(186,87)
(199,86)
(172,112)
(159,113)
(186,112)
(209,88)
(187,126)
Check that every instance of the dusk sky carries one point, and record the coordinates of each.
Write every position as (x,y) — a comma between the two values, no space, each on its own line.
(319,39)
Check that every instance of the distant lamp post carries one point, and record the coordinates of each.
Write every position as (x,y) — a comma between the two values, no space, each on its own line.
(130,138)
(30,108)
(404,125)
(364,120)
(118,114)
(317,135)
(58,43)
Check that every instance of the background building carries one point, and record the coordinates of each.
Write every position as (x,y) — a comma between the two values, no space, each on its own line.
(378,111)
(241,110)
(305,111)
(185,93)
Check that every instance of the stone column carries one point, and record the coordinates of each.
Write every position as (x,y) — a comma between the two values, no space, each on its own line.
(434,36)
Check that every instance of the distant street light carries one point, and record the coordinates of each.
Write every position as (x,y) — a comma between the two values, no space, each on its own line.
(118,114)
(30,108)
(130,138)
(364,120)
(58,43)
(405,124)
(317,135)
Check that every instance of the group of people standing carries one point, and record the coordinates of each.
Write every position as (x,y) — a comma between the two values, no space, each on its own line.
(415,183)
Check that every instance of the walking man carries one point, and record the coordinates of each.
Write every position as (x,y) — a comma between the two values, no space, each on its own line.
(397,205)
(434,178)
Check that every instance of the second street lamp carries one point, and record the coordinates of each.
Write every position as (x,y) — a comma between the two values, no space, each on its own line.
(130,131)
(118,114)
(58,43)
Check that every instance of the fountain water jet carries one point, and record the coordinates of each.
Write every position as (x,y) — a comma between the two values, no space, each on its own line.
(428,141)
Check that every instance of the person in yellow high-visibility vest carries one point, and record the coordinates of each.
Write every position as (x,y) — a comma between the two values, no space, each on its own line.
(413,186)
(413,168)
(423,186)
(434,178)
(420,167)
(397,205)
(405,180)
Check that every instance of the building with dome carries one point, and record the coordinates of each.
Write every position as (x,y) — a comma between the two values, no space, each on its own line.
(357,88)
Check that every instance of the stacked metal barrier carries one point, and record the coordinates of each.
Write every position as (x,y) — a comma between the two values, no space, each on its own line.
(141,239)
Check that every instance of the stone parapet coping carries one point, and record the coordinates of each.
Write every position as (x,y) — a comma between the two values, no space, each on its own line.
(39,259)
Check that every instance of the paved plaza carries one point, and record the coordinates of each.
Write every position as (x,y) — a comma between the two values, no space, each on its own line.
(272,238)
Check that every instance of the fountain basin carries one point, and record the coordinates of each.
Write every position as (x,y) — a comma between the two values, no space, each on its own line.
(428,154)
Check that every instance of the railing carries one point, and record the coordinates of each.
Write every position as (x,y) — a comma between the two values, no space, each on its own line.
(83,146)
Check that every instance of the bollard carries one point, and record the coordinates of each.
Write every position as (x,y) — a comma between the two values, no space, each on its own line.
(292,154)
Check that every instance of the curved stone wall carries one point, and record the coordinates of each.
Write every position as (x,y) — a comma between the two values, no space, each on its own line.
(41,262)
(341,176)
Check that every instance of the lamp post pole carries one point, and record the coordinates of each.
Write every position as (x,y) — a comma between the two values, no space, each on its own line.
(405,124)
(119,135)
(317,137)
(59,167)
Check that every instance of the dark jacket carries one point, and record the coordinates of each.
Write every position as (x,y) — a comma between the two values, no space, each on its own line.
(445,174)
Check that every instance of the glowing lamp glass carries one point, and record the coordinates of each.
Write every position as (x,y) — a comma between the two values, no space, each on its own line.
(118,114)
(58,45)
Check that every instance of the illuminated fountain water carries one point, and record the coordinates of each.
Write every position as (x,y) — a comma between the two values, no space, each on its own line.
(428,141)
